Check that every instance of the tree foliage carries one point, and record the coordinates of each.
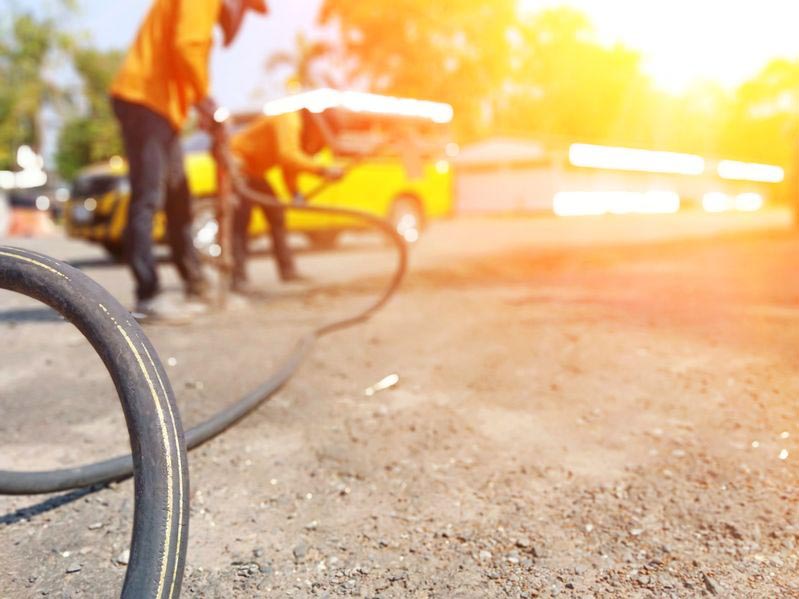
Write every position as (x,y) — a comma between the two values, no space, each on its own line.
(545,75)
(31,48)
(27,45)
(301,61)
(562,82)
(548,75)
(91,134)
(449,50)
(763,121)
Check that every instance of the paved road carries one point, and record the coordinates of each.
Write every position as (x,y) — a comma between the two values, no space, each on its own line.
(589,407)
(449,242)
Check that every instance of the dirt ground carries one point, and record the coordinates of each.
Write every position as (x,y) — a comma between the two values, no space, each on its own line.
(594,408)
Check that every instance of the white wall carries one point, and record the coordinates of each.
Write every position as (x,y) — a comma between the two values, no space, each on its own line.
(504,190)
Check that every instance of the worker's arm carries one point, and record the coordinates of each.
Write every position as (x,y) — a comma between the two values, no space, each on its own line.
(291,156)
(193,40)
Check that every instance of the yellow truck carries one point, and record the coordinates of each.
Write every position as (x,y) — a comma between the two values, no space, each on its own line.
(397,149)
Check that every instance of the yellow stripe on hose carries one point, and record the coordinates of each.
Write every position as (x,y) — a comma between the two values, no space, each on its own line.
(35,262)
(165,437)
(180,467)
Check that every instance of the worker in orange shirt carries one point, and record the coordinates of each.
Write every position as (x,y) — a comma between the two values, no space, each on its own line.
(289,141)
(165,75)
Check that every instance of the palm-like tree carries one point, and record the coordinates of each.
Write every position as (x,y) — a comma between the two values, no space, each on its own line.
(302,60)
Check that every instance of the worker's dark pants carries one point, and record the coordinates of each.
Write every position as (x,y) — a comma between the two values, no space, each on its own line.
(157,180)
(277,228)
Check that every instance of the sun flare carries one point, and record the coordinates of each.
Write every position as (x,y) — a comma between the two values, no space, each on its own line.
(684,42)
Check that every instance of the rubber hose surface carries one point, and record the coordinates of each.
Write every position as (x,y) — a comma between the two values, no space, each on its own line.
(158,462)
(29,483)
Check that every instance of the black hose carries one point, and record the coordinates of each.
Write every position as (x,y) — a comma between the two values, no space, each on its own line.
(28,483)
(159,462)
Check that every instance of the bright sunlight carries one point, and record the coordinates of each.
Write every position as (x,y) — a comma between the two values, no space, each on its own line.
(685,42)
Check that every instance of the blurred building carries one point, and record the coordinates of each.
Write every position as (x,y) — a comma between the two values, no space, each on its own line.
(506,175)
(503,175)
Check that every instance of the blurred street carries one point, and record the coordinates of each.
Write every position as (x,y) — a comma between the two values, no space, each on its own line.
(586,408)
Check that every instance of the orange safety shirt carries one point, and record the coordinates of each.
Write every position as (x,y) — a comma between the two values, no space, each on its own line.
(273,141)
(166,69)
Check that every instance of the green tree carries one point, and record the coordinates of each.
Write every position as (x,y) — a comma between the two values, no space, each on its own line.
(564,83)
(455,51)
(763,124)
(27,46)
(91,134)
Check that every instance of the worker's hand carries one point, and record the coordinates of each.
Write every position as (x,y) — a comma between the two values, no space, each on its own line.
(333,173)
(206,108)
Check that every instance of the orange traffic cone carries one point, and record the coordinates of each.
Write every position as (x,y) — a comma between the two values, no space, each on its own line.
(30,223)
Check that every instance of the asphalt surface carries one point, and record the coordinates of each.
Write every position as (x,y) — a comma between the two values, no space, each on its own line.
(601,407)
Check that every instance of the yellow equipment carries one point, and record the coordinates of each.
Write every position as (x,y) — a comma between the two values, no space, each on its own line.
(396,149)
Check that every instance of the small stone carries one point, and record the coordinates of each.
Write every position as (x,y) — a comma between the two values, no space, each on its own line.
(312,525)
(300,550)
(523,542)
(710,585)
(733,532)
(484,555)
(123,558)
(96,526)
(259,552)
(73,568)
(667,581)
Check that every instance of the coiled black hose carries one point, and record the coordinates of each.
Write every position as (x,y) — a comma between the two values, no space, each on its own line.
(29,483)
(158,462)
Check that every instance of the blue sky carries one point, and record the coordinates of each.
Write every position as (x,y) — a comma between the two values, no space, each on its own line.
(236,72)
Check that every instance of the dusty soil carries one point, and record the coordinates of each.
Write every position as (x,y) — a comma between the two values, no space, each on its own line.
(603,420)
